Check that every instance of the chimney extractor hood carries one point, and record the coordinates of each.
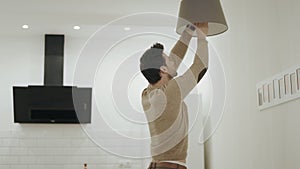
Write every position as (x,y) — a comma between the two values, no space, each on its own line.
(53,102)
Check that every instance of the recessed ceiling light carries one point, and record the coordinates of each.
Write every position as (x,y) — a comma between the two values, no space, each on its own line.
(127,28)
(76,27)
(25,26)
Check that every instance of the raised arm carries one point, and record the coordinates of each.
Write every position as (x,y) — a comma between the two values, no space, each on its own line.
(179,50)
(193,75)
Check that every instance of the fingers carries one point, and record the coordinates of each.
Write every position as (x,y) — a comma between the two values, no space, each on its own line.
(201,24)
(202,28)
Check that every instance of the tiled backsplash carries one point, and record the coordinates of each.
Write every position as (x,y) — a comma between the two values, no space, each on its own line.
(57,146)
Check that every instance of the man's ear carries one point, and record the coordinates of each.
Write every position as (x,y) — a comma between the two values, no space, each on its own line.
(164,69)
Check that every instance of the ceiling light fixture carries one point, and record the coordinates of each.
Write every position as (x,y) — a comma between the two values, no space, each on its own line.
(25,26)
(76,27)
(197,11)
(127,28)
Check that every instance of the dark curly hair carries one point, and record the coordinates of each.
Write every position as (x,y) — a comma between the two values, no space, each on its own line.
(151,61)
(158,46)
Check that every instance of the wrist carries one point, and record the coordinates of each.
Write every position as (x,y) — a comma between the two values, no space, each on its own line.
(202,40)
(185,37)
(201,35)
(190,29)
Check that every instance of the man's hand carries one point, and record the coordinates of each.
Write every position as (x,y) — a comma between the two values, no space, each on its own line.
(190,29)
(202,29)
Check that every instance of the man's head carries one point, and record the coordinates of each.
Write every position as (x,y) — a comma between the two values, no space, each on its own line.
(154,63)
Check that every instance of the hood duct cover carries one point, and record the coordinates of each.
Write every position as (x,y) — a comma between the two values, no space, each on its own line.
(54,60)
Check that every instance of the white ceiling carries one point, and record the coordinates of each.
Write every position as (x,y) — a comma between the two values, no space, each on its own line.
(59,16)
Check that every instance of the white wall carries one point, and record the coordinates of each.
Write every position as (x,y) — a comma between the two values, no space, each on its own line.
(263,39)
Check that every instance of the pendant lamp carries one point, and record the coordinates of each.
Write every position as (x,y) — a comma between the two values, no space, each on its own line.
(210,11)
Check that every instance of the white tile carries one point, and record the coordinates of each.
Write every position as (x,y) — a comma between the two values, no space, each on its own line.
(27,159)
(52,166)
(68,151)
(54,142)
(33,132)
(36,166)
(9,160)
(71,151)
(18,166)
(39,151)
(93,166)
(100,151)
(18,134)
(44,160)
(28,142)
(83,143)
(97,159)
(52,150)
(77,142)
(54,133)
(42,142)
(2,160)
(89,151)
(44,166)
(4,166)
(18,151)
(74,133)
(10,142)
(61,160)
(78,166)
(34,151)
(6,134)
(4,151)
(78,160)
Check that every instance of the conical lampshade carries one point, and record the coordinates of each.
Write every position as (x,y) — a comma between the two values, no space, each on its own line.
(210,11)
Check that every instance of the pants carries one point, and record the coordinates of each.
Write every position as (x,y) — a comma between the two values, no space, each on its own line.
(165,165)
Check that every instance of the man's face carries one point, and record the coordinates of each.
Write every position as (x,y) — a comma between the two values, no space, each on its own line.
(170,65)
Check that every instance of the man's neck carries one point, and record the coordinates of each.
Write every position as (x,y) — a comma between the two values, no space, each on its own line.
(161,82)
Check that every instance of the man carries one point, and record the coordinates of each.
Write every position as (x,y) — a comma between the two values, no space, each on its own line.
(162,100)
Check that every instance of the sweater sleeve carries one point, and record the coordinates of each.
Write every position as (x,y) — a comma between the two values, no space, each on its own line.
(179,50)
(196,71)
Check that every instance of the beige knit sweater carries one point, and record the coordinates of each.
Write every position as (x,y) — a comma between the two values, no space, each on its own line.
(165,109)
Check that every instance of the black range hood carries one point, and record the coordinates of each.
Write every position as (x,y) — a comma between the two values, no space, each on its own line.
(53,102)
